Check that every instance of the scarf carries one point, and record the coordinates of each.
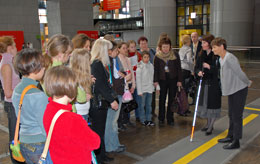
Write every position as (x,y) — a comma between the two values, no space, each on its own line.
(166,57)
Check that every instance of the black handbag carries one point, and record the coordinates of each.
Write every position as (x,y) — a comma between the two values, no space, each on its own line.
(130,106)
(99,102)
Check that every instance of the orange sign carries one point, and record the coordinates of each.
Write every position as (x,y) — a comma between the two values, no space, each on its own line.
(91,34)
(111,4)
(18,37)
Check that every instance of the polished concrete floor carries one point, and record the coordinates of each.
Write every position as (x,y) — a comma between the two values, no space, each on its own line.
(142,142)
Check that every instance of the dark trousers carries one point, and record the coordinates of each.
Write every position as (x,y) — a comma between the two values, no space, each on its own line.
(185,79)
(167,86)
(236,104)
(99,117)
(154,102)
(8,107)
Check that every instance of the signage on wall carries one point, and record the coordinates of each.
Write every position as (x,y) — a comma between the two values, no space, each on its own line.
(111,4)
(18,37)
(91,34)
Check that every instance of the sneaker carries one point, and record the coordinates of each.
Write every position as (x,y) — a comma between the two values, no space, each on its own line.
(144,123)
(150,123)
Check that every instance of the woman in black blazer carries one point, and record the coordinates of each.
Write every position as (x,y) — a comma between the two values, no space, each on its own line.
(208,67)
(102,88)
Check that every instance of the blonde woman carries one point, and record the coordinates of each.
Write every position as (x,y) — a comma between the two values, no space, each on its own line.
(80,65)
(102,88)
(186,61)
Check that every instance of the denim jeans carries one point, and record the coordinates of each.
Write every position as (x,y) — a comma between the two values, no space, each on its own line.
(145,114)
(111,132)
(32,152)
(85,117)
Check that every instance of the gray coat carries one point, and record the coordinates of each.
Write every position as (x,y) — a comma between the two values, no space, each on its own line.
(232,77)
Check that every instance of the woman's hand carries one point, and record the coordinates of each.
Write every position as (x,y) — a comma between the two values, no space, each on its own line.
(128,77)
(88,96)
(121,74)
(206,65)
(114,105)
(93,79)
(179,84)
(250,83)
(132,90)
(200,74)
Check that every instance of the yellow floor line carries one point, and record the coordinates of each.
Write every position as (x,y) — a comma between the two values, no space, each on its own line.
(255,109)
(203,148)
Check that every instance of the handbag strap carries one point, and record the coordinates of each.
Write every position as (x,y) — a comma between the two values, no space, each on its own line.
(47,143)
(19,112)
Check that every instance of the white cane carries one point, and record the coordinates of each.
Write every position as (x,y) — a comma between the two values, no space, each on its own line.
(195,113)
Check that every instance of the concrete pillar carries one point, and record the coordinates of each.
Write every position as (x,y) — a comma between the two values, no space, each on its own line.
(69,16)
(159,16)
(232,20)
(17,15)
(256,32)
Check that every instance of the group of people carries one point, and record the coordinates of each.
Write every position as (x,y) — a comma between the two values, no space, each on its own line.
(89,78)
(221,74)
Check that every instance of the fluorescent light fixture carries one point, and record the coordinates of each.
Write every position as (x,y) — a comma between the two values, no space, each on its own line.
(193,15)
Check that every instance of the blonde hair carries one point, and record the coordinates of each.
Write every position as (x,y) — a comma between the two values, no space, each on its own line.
(6,41)
(100,51)
(186,39)
(57,44)
(80,65)
(60,81)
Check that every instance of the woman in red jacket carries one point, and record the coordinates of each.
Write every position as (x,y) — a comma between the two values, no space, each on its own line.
(72,140)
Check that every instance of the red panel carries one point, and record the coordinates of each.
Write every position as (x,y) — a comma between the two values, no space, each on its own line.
(18,37)
(91,34)
(111,4)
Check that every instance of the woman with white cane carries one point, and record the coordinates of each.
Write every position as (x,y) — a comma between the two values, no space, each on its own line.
(208,67)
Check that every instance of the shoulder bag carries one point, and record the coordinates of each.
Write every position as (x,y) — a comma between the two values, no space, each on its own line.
(15,145)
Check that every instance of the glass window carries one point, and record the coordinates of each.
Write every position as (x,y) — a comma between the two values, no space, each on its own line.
(198,9)
(198,20)
(189,20)
(189,9)
(181,11)
(205,19)
(180,21)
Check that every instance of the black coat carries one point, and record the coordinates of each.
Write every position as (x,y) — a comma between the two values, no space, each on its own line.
(174,69)
(211,77)
(102,85)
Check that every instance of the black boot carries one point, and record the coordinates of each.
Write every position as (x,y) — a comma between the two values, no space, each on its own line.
(233,145)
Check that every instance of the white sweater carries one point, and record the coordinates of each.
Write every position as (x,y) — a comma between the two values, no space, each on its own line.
(144,78)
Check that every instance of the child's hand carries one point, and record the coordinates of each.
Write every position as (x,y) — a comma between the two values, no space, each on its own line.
(141,95)
(155,84)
